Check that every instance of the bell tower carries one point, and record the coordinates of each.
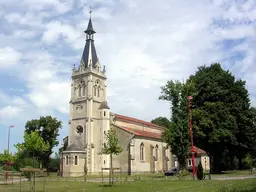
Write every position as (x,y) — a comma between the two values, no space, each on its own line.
(88,92)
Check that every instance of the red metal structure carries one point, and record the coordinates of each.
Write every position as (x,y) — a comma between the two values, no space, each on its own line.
(191,137)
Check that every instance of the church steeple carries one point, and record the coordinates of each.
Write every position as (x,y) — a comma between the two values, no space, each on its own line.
(89,57)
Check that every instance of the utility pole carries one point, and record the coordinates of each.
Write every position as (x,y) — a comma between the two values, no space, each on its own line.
(191,137)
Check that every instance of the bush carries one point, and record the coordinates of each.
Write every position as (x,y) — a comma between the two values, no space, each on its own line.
(200,171)
(248,161)
(182,174)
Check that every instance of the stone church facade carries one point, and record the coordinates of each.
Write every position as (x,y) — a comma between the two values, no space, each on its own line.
(90,117)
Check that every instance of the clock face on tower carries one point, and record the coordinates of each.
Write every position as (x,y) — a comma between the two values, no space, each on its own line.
(79,129)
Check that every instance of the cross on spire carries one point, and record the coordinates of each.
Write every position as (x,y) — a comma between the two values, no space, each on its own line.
(90,12)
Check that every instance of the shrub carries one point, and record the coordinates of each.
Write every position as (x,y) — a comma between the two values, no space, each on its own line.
(182,174)
(200,171)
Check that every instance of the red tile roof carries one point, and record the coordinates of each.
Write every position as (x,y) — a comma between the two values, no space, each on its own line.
(142,133)
(149,134)
(131,119)
(199,151)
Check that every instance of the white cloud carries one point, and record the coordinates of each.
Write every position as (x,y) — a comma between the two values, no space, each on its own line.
(10,111)
(142,43)
(56,29)
(9,57)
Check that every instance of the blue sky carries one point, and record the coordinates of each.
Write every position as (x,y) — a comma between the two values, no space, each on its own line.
(142,43)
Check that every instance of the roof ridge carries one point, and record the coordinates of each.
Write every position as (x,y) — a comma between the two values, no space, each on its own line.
(138,120)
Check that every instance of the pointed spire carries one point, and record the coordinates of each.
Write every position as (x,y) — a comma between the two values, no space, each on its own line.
(90,29)
(89,57)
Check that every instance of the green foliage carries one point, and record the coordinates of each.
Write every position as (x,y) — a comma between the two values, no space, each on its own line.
(248,161)
(33,142)
(112,144)
(177,134)
(200,171)
(48,128)
(25,162)
(7,157)
(54,163)
(224,125)
(162,121)
(182,174)
(111,147)
(221,118)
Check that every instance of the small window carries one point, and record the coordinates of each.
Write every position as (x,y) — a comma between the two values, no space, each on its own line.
(142,152)
(94,88)
(76,161)
(156,152)
(104,113)
(66,160)
(84,91)
(98,92)
(189,162)
(79,91)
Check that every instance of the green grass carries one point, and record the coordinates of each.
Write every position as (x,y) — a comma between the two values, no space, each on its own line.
(140,186)
(234,173)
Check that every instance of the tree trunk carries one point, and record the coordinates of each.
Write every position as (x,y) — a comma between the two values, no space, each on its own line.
(110,170)
(111,165)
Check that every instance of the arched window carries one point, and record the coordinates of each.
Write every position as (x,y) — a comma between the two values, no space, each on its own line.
(156,148)
(142,151)
(84,87)
(98,91)
(94,90)
(79,91)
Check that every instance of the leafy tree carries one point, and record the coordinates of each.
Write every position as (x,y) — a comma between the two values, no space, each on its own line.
(177,134)
(48,128)
(162,121)
(248,161)
(221,115)
(224,125)
(33,142)
(111,147)
(7,157)
(54,164)
(200,171)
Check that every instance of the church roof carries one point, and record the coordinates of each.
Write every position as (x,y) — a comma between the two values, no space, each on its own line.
(134,120)
(75,146)
(142,133)
(90,29)
(199,151)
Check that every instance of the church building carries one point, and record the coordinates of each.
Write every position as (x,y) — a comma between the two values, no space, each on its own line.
(90,117)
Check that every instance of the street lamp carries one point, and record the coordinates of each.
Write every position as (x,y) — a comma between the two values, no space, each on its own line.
(7,162)
(191,137)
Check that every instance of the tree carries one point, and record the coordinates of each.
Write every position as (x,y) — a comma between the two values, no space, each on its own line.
(111,147)
(162,121)
(200,171)
(221,115)
(48,128)
(248,161)
(33,142)
(7,157)
(177,134)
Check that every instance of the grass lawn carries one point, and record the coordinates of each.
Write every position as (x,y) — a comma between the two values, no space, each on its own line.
(234,173)
(139,186)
